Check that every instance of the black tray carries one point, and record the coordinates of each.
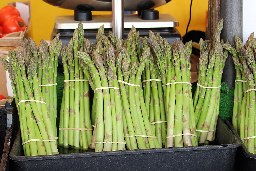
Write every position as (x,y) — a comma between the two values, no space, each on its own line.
(245,160)
(212,157)
(6,134)
(3,127)
(4,160)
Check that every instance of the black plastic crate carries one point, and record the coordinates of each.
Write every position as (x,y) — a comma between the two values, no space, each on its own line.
(245,160)
(3,127)
(212,157)
(4,160)
(6,132)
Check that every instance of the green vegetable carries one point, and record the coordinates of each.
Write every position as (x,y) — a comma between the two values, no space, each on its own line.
(75,117)
(207,98)
(244,96)
(173,63)
(34,88)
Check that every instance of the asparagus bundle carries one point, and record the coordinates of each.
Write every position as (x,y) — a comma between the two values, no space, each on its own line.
(115,68)
(26,66)
(154,99)
(47,74)
(135,58)
(108,125)
(241,84)
(173,62)
(207,97)
(75,127)
(244,98)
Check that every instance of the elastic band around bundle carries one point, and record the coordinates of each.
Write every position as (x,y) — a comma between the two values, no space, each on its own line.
(76,129)
(110,142)
(242,81)
(36,140)
(48,85)
(247,138)
(188,83)
(65,81)
(158,122)
(149,80)
(105,88)
(143,136)
(37,101)
(249,90)
(203,131)
(179,135)
(129,84)
(207,87)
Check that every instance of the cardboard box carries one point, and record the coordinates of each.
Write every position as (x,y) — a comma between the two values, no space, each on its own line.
(3,88)
(15,39)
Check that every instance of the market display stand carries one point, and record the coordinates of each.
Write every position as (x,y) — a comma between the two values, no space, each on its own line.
(225,154)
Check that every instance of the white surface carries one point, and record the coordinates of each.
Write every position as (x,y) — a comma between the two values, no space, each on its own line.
(24,10)
(67,22)
(249,18)
(9,85)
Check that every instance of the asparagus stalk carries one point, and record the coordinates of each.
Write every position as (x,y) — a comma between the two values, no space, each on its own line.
(65,100)
(244,119)
(77,88)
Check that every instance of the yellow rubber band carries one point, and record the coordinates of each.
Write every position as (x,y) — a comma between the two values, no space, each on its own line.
(249,90)
(48,85)
(110,142)
(129,84)
(177,83)
(36,140)
(74,80)
(105,88)
(37,101)
(79,129)
(247,138)
(149,80)
(178,135)
(143,136)
(199,85)
(242,81)
(204,131)
(158,122)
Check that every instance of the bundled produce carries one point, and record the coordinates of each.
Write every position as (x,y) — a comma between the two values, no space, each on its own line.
(244,118)
(47,76)
(141,96)
(154,100)
(207,97)
(75,127)
(133,65)
(173,62)
(33,75)
(108,123)
(115,68)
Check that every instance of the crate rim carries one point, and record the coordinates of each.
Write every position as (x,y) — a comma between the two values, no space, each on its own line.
(121,153)
(244,149)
